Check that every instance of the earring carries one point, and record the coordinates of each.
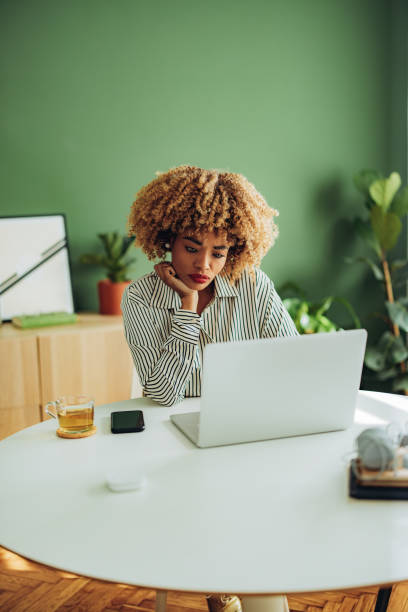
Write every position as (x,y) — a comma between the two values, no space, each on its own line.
(167,245)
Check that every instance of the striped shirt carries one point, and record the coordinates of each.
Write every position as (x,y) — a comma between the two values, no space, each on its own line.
(167,342)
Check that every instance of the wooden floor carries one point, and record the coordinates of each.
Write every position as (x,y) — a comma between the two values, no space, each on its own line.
(30,587)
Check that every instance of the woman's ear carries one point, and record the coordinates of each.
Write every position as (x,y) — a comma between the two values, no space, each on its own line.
(166,239)
(170,243)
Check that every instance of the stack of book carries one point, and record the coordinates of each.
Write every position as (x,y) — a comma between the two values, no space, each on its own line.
(387,484)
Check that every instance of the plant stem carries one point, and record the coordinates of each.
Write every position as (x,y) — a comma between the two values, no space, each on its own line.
(388,289)
(390,298)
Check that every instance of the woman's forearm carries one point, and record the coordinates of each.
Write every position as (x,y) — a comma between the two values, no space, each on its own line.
(189,302)
(167,381)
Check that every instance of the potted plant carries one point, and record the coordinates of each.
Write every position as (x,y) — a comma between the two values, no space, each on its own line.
(380,227)
(110,289)
(310,317)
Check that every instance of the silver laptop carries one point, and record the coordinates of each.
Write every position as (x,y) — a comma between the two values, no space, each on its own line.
(274,388)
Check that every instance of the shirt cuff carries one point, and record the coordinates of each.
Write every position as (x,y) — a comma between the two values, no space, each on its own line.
(186,326)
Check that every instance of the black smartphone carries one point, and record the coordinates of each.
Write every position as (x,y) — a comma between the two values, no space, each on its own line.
(126,421)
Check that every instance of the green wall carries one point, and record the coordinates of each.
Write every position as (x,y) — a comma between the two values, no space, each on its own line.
(398,96)
(96,95)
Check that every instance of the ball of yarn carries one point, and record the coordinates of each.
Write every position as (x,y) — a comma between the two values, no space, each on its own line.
(404,440)
(375,449)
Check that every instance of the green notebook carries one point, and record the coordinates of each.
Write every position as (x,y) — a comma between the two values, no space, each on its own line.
(43,320)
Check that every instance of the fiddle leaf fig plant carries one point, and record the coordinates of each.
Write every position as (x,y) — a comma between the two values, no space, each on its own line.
(114,257)
(380,227)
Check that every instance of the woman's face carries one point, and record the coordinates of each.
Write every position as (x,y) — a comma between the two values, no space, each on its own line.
(198,259)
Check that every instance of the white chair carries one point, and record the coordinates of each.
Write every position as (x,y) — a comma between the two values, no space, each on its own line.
(273,603)
(137,389)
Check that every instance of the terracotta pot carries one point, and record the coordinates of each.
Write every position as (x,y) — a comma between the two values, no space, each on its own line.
(110,295)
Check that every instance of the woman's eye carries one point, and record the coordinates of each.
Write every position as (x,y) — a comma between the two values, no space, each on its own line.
(218,255)
(191,249)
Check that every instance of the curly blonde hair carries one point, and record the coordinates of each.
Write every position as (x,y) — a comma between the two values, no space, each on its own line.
(188,199)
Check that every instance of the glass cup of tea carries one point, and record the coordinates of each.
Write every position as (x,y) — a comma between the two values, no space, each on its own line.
(75,413)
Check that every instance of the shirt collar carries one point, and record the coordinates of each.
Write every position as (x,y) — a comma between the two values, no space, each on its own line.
(223,288)
(164,297)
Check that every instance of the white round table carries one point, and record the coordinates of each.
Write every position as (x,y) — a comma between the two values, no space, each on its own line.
(260,518)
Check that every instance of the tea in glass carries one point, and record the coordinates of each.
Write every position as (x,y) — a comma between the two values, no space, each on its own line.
(75,413)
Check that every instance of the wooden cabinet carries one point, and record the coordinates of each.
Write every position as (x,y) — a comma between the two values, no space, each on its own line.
(38,365)
(19,383)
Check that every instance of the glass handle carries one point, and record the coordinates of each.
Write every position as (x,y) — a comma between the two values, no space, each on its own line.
(51,409)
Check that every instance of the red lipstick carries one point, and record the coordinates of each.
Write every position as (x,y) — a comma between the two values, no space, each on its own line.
(199,278)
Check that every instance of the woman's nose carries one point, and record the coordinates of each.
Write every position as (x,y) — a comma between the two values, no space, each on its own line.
(202,261)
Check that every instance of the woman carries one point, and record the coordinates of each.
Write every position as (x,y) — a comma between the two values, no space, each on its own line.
(217,228)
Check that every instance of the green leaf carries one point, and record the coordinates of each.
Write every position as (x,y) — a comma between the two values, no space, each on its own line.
(106,240)
(126,243)
(307,324)
(319,309)
(365,231)
(399,351)
(301,320)
(292,306)
(116,247)
(393,347)
(384,346)
(387,374)
(364,179)
(325,325)
(374,359)
(350,309)
(106,262)
(376,270)
(383,191)
(387,227)
(400,204)
(385,342)
(398,313)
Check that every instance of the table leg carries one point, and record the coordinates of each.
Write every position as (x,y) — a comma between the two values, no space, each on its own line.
(276,603)
(383,598)
(161,597)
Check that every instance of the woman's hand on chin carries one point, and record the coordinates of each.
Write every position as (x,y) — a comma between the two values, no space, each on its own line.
(189,297)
